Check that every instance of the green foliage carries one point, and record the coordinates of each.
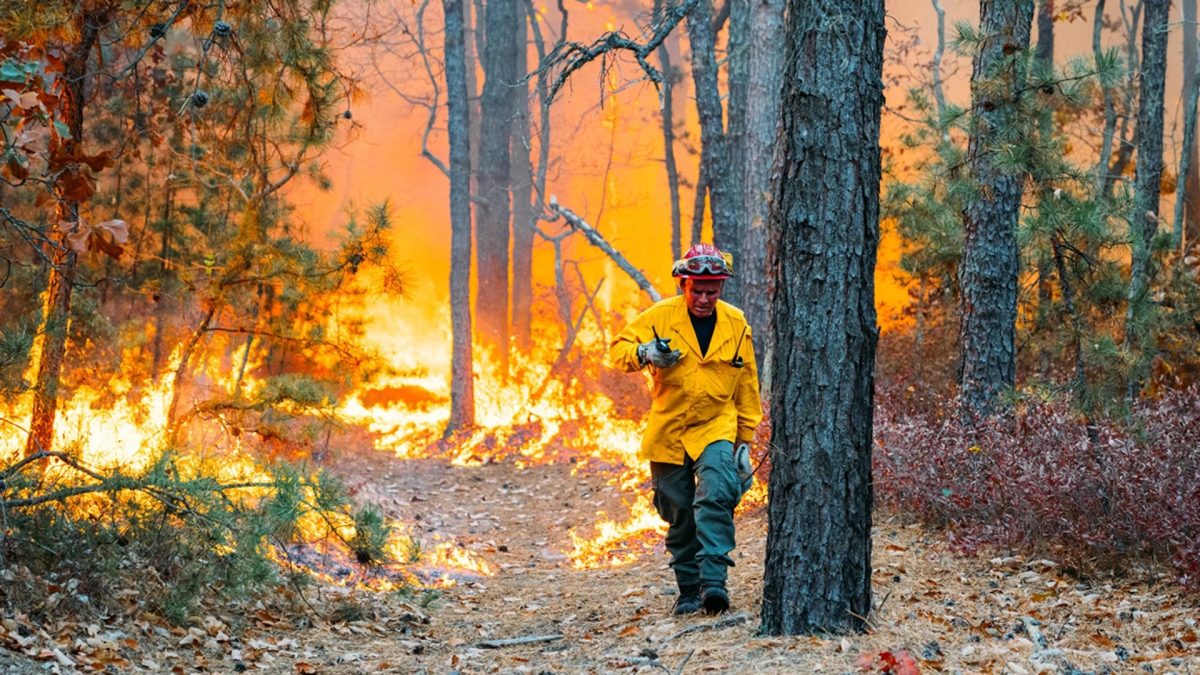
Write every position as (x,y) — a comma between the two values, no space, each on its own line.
(1073,233)
(178,531)
(15,343)
(201,189)
(371,534)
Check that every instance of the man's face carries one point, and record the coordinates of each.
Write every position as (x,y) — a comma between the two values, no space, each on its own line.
(701,295)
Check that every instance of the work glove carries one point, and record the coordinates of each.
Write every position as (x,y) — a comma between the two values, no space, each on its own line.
(745,470)
(658,353)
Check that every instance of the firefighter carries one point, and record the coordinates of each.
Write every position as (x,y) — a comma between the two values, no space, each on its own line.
(705,410)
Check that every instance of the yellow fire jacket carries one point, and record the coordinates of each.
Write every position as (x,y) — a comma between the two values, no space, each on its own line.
(701,399)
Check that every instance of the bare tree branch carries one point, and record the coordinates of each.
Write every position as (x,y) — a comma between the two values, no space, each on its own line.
(598,240)
(571,56)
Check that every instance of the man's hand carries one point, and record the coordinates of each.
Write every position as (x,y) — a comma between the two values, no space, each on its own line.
(745,470)
(652,352)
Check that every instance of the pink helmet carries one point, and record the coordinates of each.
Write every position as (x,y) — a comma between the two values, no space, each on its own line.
(704,261)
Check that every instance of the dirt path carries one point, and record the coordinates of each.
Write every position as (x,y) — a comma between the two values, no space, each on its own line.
(953,613)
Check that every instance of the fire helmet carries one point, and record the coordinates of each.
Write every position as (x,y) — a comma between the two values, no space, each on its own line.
(704,261)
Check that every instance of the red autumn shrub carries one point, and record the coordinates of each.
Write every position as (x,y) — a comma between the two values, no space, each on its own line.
(1037,479)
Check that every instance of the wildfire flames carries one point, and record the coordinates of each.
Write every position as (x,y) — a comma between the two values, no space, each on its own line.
(533,416)
(530,417)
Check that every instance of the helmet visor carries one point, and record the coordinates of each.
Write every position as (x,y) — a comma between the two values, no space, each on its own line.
(702,266)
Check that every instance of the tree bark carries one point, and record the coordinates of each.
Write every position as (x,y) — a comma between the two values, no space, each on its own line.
(1189,177)
(1044,51)
(162,304)
(1143,223)
(825,231)
(523,216)
(51,344)
(492,213)
(185,358)
(1043,54)
(1110,111)
(764,81)
(474,41)
(939,94)
(462,384)
(1187,172)
(1079,385)
(668,127)
(1124,145)
(990,265)
(731,236)
(699,202)
(714,154)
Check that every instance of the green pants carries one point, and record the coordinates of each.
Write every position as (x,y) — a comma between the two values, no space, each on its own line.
(697,499)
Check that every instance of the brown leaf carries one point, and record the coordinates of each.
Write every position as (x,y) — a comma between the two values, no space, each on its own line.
(96,162)
(76,185)
(1101,640)
(305,668)
(76,233)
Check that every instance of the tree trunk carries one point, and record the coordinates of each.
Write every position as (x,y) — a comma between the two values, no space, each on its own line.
(730,236)
(1044,51)
(51,344)
(1143,223)
(764,80)
(825,232)
(544,118)
(1187,173)
(714,156)
(166,288)
(1124,145)
(1044,59)
(1187,230)
(522,199)
(1079,384)
(185,358)
(1110,110)
(492,213)
(462,384)
(668,127)
(473,47)
(699,202)
(56,314)
(939,94)
(990,266)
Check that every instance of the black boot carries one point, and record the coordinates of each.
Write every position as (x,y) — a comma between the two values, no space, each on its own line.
(688,601)
(714,597)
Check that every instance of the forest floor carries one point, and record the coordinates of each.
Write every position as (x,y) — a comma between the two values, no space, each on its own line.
(953,613)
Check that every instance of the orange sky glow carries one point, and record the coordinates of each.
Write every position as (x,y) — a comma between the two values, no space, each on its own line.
(606,156)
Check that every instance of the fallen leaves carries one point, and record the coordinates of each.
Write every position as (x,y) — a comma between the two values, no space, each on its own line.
(892,663)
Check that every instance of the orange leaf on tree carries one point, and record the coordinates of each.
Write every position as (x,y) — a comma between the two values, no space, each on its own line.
(76,185)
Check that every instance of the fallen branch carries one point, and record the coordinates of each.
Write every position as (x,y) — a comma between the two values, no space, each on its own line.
(512,642)
(725,622)
(596,239)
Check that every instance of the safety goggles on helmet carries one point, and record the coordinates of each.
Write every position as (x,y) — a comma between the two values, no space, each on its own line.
(703,266)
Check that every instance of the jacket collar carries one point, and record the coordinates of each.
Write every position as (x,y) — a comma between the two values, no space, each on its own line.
(681,325)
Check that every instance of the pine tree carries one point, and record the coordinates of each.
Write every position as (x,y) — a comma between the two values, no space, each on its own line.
(825,231)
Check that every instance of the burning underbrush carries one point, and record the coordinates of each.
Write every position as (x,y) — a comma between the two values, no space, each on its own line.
(214,488)
(225,500)
(581,415)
